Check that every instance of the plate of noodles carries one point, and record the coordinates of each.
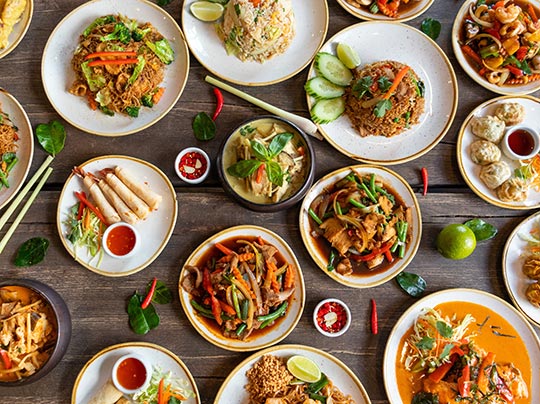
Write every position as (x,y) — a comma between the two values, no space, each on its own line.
(16,146)
(15,26)
(506,183)
(287,33)
(94,382)
(123,189)
(264,375)
(398,11)
(115,68)
(400,141)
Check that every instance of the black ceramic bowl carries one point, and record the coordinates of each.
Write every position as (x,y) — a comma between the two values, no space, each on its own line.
(299,149)
(63,326)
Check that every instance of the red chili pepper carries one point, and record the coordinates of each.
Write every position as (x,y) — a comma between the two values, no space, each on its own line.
(372,254)
(81,197)
(425,179)
(81,208)
(219,103)
(216,309)
(148,299)
(374,318)
(515,71)
(6,359)
(207,284)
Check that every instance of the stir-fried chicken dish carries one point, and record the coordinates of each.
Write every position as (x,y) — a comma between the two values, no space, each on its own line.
(365,222)
(243,285)
(27,332)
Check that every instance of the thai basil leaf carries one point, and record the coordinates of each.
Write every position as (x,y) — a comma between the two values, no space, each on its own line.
(51,136)
(260,150)
(31,252)
(413,284)
(481,229)
(431,28)
(141,321)
(444,329)
(204,127)
(243,168)
(278,143)
(162,294)
(274,172)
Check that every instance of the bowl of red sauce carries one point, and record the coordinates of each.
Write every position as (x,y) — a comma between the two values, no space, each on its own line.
(121,240)
(332,317)
(192,165)
(520,143)
(131,373)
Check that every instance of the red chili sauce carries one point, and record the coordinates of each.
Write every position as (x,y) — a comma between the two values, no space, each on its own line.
(131,373)
(192,165)
(121,240)
(521,142)
(326,323)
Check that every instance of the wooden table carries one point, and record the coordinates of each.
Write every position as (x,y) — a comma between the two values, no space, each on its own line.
(98,303)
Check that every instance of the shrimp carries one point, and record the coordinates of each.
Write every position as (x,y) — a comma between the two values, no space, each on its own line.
(509,14)
(514,28)
(389,7)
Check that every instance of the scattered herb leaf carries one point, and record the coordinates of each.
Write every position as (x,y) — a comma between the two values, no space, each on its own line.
(204,127)
(141,320)
(162,294)
(481,229)
(444,329)
(51,136)
(431,28)
(413,284)
(31,252)
(382,106)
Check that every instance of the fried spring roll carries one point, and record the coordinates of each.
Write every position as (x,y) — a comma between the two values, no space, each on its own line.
(107,394)
(106,209)
(142,190)
(135,203)
(123,210)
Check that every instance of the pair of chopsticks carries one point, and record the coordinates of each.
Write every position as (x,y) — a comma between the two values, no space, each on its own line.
(7,214)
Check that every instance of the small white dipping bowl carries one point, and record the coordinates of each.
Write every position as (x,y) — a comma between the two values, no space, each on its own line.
(520,135)
(183,172)
(112,229)
(139,368)
(333,302)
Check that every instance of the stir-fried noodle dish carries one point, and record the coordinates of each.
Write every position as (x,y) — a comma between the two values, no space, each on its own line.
(8,148)
(120,64)
(269,382)
(257,30)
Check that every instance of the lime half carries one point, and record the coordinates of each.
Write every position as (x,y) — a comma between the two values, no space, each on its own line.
(206,10)
(347,55)
(304,369)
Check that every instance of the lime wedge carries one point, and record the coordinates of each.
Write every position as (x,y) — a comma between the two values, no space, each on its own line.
(206,10)
(347,55)
(304,369)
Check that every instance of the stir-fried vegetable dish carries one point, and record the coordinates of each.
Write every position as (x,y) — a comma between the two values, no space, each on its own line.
(365,222)
(389,8)
(242,285)
(501,39)
(8,148)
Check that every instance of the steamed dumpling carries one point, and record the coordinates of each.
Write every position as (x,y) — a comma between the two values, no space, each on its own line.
(513,190)
(484,152)
(495,174)
(488,127)
(511,113)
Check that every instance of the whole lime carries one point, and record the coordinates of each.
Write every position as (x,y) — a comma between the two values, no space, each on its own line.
(456,241)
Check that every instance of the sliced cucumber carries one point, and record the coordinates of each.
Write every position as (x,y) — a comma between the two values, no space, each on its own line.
(320,88)
(327,110)
(332,69)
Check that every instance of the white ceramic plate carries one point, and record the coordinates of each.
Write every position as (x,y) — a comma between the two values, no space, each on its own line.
(471,171)
(156,229)
(416,9)
(471,71)
(515,252)
(311,26)
(19,30)
(97,370)
(10,106)
(276,333)
(482,298)
(342,377)
(429,62)
(400,186)
(57,74)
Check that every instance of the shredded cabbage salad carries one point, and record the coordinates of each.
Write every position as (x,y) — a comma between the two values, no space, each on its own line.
(85,231)
(170,381)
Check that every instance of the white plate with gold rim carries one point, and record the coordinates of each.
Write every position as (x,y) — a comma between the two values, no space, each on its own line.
(407,11)
(97,371)
(432,66)
(311,27)
(471,171)
(155,230)
(58,75)
(340,375)
(274,333)
(19,30)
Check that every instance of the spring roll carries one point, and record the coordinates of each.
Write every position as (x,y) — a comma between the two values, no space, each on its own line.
(142,190)
(123,210)
(135,203)
(107,394)
(106,209)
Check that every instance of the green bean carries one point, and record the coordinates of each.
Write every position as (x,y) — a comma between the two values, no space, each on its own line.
(372,184)
(318,397)
(314,216)
(338,208)
(3,179)
(244,309)
(201,309)
(274,315)
(401,251)
(385,193)
(11,164)
(356,204)
(333,255)
(368,192)
(241,329)
(394,247)
(403,234)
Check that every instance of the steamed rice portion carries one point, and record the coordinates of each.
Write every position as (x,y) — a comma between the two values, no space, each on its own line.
(256,30)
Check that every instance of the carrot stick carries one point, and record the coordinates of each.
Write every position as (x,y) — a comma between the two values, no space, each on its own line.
(397,80)
(160,392)
(223,249)
(532,13)
(271,280)
(112,62)
(111,53)
(289,278)
(227,308)
(240,279)
(91,101)
(157,95)
(260,172)
(472,54)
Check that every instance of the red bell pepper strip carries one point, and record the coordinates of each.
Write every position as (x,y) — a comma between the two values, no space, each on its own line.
(216,309)
(372,254)
(503,390)
(148,299)
(425,180)
(464,381)
(6,359)
(515,70)
(219,103)
(374,318)
(81,197)
(207,284)
(439,373)
(521,53)
(81,209)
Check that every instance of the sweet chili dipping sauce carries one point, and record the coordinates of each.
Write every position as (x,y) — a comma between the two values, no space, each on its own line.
(121,240)
(192,165)
(331,317)
(131,373)
(521,142)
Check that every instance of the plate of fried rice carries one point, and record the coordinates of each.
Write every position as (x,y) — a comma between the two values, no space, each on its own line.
(264,375)
(16,137)
(426,119)
(261,44)
(392,10)
(128,87)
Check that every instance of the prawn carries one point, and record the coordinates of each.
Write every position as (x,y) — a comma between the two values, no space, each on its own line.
(389,7)
(506,15)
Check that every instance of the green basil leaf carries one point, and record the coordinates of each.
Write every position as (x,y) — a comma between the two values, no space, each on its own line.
(243,168)
(203,127)
(426,343)
(259,150)
(141,321)
(444,329)
(162,294)
(31,252)
(274,173)
(51,136)
(278,143)
(481,229)
(413,284)
(431,28)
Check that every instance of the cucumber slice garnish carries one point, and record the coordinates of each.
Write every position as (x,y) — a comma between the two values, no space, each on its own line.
(320,88)
(327,110)
(332,69)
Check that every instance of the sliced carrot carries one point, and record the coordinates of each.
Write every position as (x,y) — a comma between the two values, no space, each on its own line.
(91,101)
(241,257)
(472,54)
(289,278)
(240,278)
(86,222)
(500,3)
(397,80)
(483,377)
(271,280)
(112,62)
(532,13)
(160,392)
(158,94)
(227,308)
(255,2)
(260,172)
(260,240)
(223,249)
(110,54)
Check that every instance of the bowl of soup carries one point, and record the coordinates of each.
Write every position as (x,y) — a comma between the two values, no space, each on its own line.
(266,164)
(43,317)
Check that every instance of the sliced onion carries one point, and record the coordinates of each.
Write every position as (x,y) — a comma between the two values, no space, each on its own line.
(504,76)
(484,35)
(477,20)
